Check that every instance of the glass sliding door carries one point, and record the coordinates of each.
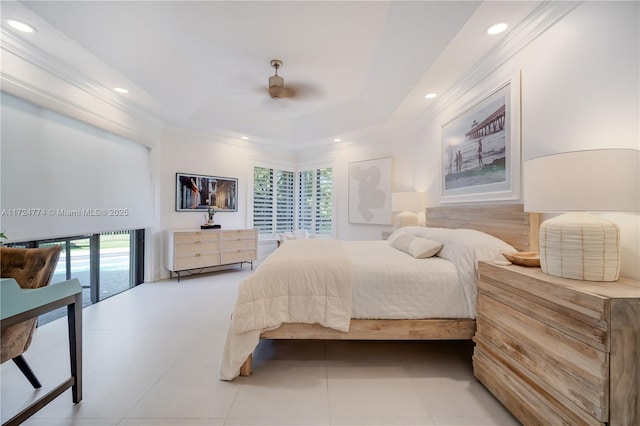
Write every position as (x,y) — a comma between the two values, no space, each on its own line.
(105,264)
(115,263)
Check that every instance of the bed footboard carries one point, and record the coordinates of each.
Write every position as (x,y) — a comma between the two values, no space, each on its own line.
(430,329)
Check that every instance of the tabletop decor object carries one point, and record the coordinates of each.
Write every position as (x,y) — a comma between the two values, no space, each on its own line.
(578,244)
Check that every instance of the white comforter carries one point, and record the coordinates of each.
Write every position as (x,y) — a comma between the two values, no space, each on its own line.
(307,281)
(329,282)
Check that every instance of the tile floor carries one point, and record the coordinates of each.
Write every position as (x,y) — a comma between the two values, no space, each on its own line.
(151,357)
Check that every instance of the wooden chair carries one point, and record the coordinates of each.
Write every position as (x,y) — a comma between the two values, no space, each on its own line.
(31,268)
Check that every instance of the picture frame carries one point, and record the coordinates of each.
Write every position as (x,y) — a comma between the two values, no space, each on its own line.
(481,148)
(370,186)
(199,192)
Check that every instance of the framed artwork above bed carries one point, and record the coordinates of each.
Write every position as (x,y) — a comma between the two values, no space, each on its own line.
(481,148)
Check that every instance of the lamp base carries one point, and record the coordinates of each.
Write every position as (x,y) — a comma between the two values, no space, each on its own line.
(580,246)
(406,219)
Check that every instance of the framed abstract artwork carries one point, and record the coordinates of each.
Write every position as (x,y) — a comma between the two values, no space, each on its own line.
(370,185)
(481,149)
(199,192)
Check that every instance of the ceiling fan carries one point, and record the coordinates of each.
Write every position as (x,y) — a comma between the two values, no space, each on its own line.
(277,89)
(276,83)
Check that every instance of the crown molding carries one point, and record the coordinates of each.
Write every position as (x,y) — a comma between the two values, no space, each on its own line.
(32,78)
(534,25)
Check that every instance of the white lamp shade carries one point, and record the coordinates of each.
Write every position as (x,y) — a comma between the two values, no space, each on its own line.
(407,201)
(407,204)
(580,245)
(597,180)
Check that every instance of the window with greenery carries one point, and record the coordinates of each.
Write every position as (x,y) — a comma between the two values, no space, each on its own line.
(315,207)
(285,200)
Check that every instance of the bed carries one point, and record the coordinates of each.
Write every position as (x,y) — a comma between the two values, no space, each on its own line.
(308,298)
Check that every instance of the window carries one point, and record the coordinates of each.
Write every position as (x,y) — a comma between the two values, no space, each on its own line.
(315,207)
(105,264)
(285,200)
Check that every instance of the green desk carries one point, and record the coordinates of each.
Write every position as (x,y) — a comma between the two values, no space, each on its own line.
(17,305)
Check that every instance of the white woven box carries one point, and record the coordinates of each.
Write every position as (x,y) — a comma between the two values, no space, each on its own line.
(580,246)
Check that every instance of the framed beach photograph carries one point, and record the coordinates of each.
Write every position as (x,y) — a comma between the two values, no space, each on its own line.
(370,185)
(481,149)
(199,192)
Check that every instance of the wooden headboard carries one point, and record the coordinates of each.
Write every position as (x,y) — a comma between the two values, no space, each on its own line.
(509,222)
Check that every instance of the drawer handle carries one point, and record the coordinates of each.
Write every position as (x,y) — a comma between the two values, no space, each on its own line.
(197,254)
(198,242)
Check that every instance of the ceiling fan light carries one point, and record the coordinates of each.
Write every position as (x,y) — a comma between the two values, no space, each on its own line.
(276,81)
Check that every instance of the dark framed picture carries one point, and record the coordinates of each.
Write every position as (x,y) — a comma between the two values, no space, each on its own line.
(199,192)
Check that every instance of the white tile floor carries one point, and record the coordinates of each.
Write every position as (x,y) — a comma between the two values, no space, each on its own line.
(151,357)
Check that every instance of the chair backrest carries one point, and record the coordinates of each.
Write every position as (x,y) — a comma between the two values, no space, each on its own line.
(31,268)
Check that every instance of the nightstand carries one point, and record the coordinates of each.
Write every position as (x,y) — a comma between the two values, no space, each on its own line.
(559,351)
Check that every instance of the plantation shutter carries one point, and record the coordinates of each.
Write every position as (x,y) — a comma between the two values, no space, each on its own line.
(323,204)
(263,200)
(305,200)
(285,200)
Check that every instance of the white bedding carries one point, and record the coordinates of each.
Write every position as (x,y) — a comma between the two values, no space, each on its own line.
(391,284)
(334,281)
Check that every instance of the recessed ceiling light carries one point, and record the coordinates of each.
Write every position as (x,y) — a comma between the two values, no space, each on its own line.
(337,140)
(20,26)
(244,138)
(430,95)
(497,28)
(121,90)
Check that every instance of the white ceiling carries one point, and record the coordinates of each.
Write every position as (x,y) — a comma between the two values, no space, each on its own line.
(204,65)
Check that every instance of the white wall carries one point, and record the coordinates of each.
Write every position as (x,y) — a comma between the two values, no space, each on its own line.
(580,90)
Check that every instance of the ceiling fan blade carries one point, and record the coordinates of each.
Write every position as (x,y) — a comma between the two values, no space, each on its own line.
(307,91)
(281,92)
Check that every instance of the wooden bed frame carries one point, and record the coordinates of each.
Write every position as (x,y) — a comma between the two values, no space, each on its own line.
(508,222)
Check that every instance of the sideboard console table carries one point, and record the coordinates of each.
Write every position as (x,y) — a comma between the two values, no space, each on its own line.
(188,250)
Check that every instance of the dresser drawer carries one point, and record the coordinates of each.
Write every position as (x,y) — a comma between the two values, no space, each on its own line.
(579,314)
(521,395)
(194,237)
(196,261)
(233,245)
(238,256)
(240,234)
(184,250)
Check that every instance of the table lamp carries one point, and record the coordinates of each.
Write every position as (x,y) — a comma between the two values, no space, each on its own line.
(579,245)
(406,204)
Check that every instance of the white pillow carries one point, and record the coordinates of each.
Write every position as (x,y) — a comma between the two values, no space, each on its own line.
(421,248)
(402,241)
(395,234)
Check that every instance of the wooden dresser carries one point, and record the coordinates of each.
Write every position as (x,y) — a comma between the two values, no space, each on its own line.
(558,351)
(188,250)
